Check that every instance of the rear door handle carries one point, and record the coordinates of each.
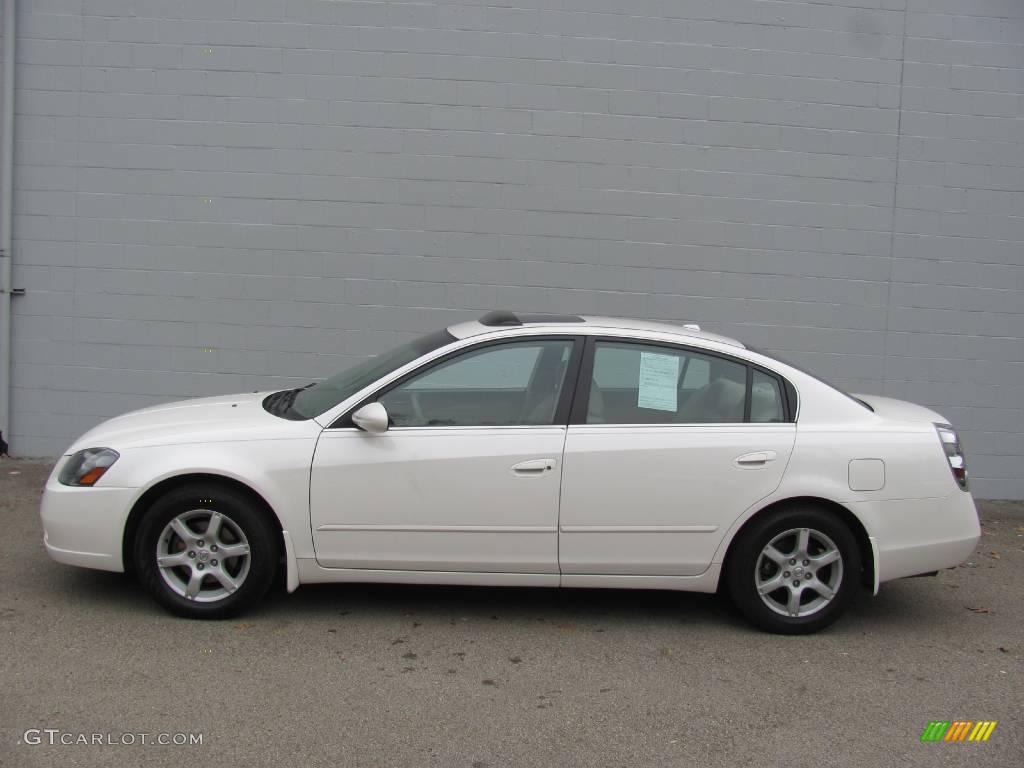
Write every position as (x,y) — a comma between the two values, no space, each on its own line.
(754,460)
(533,466)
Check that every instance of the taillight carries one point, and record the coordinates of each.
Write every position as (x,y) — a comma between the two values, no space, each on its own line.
(954,453)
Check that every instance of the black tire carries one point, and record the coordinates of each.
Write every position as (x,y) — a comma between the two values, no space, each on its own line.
(747,570)
(243,522)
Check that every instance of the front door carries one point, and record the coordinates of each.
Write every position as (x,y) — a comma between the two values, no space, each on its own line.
(467,476)
(673,446)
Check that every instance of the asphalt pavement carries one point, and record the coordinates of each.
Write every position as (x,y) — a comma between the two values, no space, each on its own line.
(358,675)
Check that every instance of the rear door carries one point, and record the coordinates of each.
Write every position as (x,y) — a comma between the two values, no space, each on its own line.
(666,447)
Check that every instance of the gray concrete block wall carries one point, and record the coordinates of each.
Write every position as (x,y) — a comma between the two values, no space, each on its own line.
(297,184)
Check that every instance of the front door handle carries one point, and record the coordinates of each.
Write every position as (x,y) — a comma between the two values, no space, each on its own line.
(533,467)
(754,460)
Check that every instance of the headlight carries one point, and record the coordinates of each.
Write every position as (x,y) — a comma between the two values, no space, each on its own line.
(88,466)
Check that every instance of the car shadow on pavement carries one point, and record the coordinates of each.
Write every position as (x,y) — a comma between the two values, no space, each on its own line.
(907,605)
(505,603)
(899,606)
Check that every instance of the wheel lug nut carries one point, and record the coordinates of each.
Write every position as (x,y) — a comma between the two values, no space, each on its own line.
(808,576)
(807,562)
(796,583)
(785,575)
(201,543)
(191,554)
(213,547)
(199,566)
(214,563)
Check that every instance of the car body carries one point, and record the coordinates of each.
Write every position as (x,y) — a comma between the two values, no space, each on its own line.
(533,450)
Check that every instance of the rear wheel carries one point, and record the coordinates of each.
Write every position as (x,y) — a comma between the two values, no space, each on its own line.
(795,571)
(206,552)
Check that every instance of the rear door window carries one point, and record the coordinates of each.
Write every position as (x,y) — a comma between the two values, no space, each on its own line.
(636,383)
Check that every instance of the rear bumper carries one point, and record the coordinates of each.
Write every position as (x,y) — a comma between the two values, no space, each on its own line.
(916,536)
(85,526)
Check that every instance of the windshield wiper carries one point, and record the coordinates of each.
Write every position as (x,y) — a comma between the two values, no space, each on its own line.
(289,398)
(272,401)
(280,403)
(290,395)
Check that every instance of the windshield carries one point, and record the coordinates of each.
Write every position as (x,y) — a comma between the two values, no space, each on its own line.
(321,397)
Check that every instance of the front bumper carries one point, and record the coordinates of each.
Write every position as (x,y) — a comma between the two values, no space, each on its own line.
(85,526)
(916,536)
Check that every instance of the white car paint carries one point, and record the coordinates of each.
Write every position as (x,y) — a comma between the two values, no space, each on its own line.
(622,505)
(650,500)
(444,499)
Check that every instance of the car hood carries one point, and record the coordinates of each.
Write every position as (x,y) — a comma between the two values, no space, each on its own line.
(901,410)
(206,419)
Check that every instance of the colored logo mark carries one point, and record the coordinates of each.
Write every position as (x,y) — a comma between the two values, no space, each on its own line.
(958,730)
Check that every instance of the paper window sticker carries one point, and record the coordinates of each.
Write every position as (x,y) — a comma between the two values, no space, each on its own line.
(659,380)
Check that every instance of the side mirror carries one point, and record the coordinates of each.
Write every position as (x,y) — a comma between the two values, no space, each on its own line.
(372,418)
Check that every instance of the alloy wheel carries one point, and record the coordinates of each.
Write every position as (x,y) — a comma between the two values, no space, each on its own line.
(799,572)
(203,555)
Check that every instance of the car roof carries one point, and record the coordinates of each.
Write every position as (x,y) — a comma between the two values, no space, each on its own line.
(494,322)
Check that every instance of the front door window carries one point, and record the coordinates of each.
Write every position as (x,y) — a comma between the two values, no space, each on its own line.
(510,384)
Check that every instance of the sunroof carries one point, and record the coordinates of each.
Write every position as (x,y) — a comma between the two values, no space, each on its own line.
(505,318)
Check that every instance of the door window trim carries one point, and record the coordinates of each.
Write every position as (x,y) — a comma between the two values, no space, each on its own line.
(581,398)
(562,409)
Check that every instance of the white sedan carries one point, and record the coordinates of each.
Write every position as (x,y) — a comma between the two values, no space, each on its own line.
(528,450)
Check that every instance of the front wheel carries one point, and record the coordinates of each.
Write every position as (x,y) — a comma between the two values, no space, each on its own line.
(206,552)
(795,571)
